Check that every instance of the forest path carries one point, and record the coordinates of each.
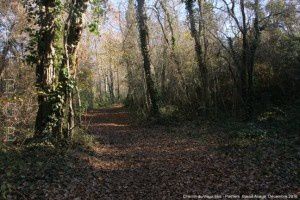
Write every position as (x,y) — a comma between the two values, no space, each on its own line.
(167,162)
(146,162)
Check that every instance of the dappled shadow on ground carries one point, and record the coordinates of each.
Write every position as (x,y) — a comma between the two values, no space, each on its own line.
(42,172)
(151,163)
(134,162)
(109,124)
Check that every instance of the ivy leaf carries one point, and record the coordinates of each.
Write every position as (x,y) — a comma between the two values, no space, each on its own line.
(93,28)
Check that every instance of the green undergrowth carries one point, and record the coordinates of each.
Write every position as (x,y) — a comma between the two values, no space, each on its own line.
(82,139)
(169,115)
(274,122)
(275,127)
(267,147)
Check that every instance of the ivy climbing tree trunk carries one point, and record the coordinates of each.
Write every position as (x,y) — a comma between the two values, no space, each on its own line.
(252,56)
(73,33)
(45,71)
(55,65)
(144,43)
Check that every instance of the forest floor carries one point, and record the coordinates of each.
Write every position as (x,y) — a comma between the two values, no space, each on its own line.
(131,161)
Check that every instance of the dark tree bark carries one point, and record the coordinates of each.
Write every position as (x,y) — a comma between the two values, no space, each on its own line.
(118,85)
(54,93)
(45,72)
(144,42)
(111,86)
(243,68)
(249,47)
(163,73)
(253,48)
(246,61)
(73,33)
(199,51)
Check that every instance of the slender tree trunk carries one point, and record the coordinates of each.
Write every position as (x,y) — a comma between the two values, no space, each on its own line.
(118,84)
(203,30)
(111,86)
(105,84)
(73,32)
(245,53)
(163,72)
(199,52)
(130,82)
(3,60)
(129,47)
(79,105)
(253,49)
(173,45)
(144,42)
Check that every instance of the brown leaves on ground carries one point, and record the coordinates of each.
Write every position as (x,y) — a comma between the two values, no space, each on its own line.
(134,162)
(153,163)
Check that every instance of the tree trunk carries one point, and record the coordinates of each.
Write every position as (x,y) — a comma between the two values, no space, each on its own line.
(173,45)
(130,83)
(45,72)
(73,32)
(105,83)
(144,42)
(199,52)
(163,73)
(245,53)
(118,85)
(253,49)
(79,106)
(100,85)
(111,86)
(129,47)
(3,60)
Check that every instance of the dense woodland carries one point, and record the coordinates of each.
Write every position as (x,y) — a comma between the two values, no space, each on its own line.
(95,95)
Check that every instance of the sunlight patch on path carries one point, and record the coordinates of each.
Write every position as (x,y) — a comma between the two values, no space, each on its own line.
(111,125)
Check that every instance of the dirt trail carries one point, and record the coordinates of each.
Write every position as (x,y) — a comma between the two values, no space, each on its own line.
(144,163)
(151,163)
